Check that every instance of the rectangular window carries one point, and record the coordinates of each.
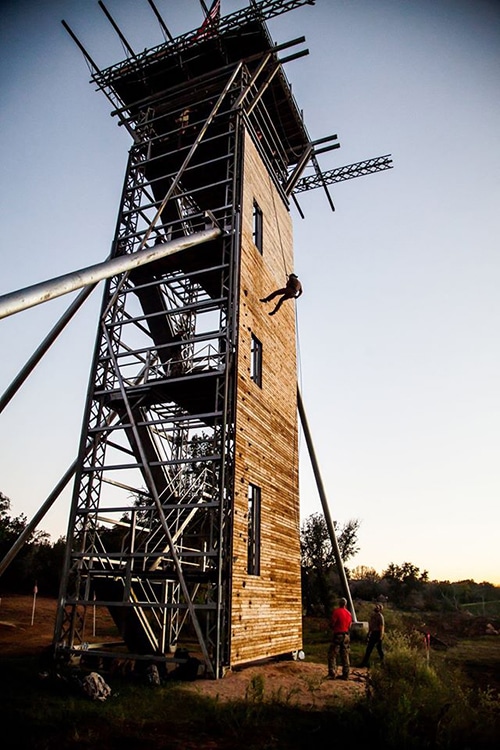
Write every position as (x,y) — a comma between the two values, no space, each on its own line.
(256,361)
(257,226)
(253,560)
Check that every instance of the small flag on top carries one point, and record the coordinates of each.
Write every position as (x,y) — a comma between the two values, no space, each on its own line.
(209,26)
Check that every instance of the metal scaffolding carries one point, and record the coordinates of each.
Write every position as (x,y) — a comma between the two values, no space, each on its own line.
(149,535)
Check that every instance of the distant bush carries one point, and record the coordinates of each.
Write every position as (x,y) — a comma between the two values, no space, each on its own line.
(486,609)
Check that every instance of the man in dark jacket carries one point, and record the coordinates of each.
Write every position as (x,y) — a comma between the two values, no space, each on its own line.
(292,289)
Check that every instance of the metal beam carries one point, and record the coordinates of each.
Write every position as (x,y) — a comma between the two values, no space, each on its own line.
(116,28)
(262,11)
(301,165)
(30,528)
(161,515)
(359,169)
(44,347)
(160,20)
(82,49)
(330,525)
(264,62)
(46,290)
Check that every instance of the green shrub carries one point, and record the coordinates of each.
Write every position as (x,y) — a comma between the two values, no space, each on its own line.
(415,705)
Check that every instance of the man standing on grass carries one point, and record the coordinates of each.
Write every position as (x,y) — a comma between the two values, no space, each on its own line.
(376,628)
(340,623)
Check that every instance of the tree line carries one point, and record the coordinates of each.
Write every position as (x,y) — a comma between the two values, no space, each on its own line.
(404,585)
(40,562)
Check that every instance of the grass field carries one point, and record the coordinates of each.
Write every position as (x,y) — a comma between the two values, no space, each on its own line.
(41,711)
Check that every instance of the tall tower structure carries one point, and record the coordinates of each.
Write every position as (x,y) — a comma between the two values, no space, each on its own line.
(185,514)
(184,523)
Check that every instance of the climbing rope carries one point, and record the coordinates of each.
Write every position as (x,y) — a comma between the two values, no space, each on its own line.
(295,460)
(278,226)
(296,448)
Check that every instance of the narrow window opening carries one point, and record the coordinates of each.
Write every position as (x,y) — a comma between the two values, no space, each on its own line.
(256,361)
(257,227)
(253,560)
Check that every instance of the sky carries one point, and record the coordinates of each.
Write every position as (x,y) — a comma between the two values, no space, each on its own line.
(398,326)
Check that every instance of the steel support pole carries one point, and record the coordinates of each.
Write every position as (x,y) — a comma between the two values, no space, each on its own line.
(44,347)
(46,290)
(30,528)
(331,528)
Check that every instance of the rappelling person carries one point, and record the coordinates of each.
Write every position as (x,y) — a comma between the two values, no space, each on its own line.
(292,289)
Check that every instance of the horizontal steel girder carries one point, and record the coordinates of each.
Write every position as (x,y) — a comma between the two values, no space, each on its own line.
(361,168)
(34,295)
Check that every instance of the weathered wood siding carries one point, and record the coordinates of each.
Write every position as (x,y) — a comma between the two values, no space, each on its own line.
(266,609)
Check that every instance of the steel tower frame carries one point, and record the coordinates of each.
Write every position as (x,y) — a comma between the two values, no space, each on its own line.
(159,415)
(150,527)
(149,534)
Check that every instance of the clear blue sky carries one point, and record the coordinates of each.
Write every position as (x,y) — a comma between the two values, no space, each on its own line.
(399,323)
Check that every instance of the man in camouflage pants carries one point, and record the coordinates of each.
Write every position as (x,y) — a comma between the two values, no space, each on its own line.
(340,647)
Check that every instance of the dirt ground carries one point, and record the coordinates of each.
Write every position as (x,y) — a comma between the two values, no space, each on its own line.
(301,683)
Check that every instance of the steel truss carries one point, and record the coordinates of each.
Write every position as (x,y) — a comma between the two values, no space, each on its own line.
(348,172)
(150,527)
(149,536)
(259,11)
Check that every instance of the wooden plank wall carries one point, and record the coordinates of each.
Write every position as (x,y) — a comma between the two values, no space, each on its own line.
(266,617)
